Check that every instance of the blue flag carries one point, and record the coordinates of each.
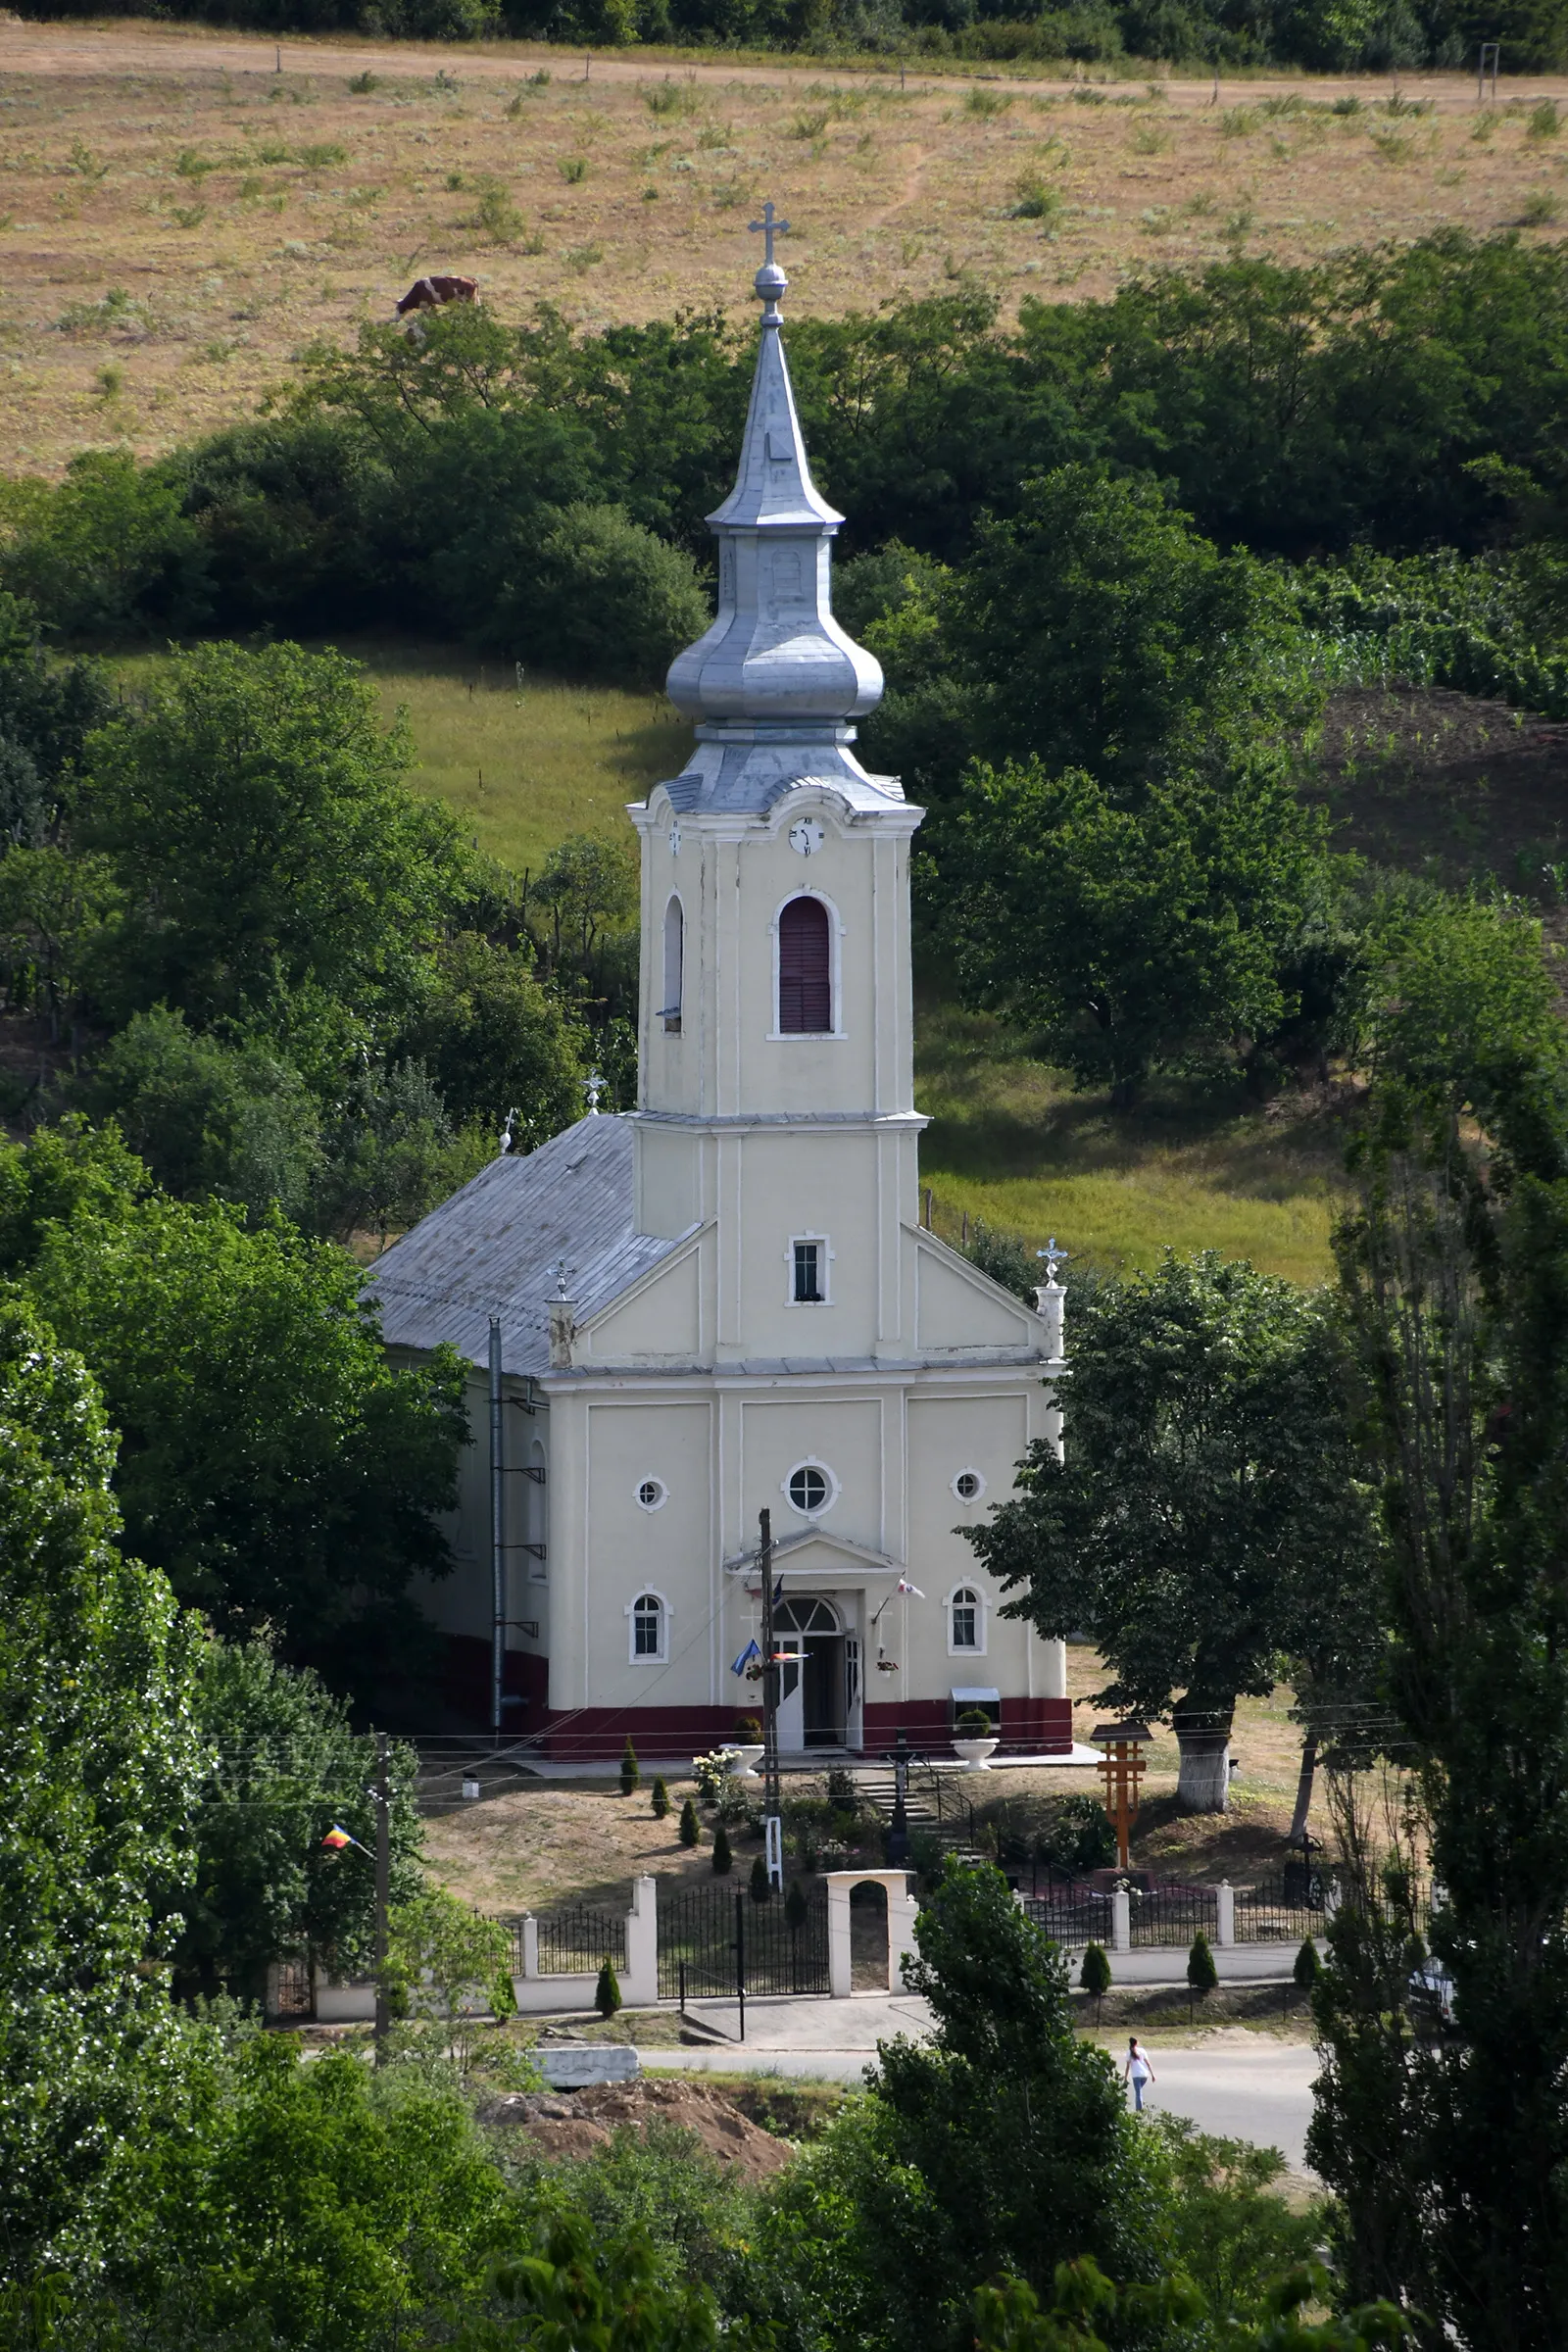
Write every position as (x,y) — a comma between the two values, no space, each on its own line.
(746,1657)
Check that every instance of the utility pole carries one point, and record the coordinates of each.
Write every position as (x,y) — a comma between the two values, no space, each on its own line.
(383,1885)
(772,1804)
(498,1541)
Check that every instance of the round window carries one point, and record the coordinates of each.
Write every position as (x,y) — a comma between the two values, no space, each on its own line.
(808,1488)
(968,1486)
(652,1492)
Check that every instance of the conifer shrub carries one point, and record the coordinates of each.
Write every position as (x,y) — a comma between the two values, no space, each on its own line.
(631,1777)
(691,1829)
(795,1907)
(1201,1973)
(1308,1966)
(658,1803)
(723,1859)
(607,1992)
(761,1884)
(1095,1975)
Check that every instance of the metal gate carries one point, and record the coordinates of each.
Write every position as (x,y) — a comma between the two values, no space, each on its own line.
(717,1943)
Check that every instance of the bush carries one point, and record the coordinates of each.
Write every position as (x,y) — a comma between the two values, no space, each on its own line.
(691,1829)
(1095,1975)
(630,1772)
(658,1804)
(607,1992)
(723,1860)
(597,594)
(796,1907)
(1308,1966)
(1201,1973)
(762,1884)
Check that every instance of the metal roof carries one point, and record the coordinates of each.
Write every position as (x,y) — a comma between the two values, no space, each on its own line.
(495,1247)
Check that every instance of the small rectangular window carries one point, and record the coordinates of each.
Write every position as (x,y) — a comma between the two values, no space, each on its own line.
(807,1271)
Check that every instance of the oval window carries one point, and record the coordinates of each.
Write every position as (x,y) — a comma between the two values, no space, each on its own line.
(652,1492)
(968,1486)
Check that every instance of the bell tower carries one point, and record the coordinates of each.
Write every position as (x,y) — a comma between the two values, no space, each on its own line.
(775,1099)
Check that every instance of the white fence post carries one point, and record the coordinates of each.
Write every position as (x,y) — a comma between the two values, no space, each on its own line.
(1225,1922)
(1121,1921)
(530,1947)
(640,1985)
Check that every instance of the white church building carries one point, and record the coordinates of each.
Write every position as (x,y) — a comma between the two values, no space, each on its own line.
(724,1301)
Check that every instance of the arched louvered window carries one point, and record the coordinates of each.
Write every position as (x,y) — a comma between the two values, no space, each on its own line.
(805,970)
(674,959)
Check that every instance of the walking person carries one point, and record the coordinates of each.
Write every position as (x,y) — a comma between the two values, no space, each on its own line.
(1137,2071)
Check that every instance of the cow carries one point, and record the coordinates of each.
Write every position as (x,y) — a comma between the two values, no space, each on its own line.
(429,293)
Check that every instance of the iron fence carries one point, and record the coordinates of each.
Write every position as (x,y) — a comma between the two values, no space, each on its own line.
(1277,1911)
(756,1950)
(1172,1914)
(576,1940)
(1071,1916)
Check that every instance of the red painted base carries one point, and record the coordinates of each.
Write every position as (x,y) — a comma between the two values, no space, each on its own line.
(661,1734)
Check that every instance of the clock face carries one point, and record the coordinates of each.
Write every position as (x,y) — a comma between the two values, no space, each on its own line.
(807,836)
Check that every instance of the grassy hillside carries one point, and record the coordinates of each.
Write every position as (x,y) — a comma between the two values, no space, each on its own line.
(1190,1169)
(178,217)
(525,763)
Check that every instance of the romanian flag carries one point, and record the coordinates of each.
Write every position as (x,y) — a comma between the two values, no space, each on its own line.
(338,1839)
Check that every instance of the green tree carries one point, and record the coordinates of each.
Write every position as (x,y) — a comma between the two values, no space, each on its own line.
(691,1829)
(658,1803)
(1109,633)
(282,1764)
(1308,1967)
(210,1118)
(761,1885)
(255,815)
(100,1756)
(109,552)
(496,1041)
(999,2147)
(631,1778)
(1208,1518)
(333,2209)
(597,594)
(1455,1277)
(275,1467)
(61,1172)
(1128,939)
(392,1152)
(723,1860)
(446,1963)
(607,1992)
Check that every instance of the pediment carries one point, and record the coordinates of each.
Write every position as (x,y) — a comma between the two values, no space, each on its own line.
(815,1552)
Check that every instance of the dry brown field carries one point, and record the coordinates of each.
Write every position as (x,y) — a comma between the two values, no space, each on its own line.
(178,216)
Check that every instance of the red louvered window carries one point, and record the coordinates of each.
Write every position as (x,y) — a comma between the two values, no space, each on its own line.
(805,970)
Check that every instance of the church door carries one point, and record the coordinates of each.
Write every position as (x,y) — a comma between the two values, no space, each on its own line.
(791,1649)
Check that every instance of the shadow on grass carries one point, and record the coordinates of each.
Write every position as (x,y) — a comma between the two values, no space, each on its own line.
(998,1113)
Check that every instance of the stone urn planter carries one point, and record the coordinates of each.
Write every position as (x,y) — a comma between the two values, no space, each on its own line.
(975,1754)
(748,1756)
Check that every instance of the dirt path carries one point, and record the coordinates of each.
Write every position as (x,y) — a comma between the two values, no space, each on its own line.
(137,48)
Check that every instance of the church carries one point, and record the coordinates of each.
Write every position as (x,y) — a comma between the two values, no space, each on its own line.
(724,1301)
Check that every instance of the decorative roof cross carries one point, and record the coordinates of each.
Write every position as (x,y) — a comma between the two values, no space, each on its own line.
(1053,1256)
(768,228)
(593,1086)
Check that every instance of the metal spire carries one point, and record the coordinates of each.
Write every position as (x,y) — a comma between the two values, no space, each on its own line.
(775,653)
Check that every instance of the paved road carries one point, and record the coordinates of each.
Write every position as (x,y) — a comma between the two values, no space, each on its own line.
(1242,2084)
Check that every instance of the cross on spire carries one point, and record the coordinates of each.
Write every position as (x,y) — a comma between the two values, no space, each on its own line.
(768,228)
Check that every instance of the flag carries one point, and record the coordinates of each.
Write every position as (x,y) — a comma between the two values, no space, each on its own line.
(904,1585)
(748,1655)
(779,1594)
(338,1839)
